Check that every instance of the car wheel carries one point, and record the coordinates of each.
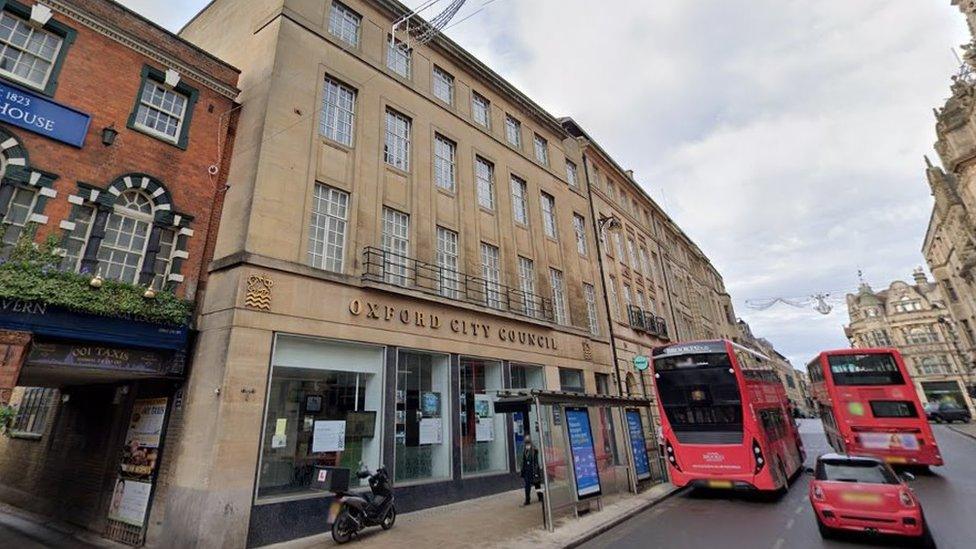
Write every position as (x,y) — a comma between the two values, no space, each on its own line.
(926,540)
(825,531)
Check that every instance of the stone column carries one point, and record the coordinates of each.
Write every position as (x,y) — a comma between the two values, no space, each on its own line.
(13,352)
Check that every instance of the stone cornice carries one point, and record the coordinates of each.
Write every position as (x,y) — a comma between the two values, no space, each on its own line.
(144,48)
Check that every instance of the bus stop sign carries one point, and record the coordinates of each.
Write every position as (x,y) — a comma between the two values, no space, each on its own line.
(640,362)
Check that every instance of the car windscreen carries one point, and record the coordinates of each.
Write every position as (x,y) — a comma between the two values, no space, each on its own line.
(854,471)
(865,369)
(700,394)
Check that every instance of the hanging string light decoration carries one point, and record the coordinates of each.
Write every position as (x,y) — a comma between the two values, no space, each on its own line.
(823,303)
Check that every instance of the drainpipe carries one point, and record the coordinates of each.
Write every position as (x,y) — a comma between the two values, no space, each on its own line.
(603,273)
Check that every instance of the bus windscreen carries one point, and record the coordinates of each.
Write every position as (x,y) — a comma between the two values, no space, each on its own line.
(864,369)
(700,397)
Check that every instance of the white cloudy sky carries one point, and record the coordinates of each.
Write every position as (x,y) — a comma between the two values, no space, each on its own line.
(785,136)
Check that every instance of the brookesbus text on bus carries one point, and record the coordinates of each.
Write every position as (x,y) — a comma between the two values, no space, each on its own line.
(725,417)
(868,406)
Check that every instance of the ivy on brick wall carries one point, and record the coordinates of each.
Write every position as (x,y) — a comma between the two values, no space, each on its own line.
(31,273)
(7,414)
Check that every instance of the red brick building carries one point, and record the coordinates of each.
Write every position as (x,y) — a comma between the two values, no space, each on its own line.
(114,137)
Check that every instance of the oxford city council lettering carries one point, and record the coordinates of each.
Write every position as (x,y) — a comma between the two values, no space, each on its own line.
(461,326)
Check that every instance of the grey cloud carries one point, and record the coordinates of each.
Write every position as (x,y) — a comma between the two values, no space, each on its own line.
(786,135)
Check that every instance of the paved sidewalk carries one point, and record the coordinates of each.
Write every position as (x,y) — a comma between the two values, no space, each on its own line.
(23,529)
(968,429)
(493,521)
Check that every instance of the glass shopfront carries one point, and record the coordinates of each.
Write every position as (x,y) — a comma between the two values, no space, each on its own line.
(325,405)
(423,435)
(483,439)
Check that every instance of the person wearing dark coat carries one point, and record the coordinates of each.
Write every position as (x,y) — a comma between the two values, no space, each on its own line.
(531,475)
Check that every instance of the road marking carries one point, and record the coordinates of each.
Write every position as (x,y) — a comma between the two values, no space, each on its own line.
(779,543)
(790,523)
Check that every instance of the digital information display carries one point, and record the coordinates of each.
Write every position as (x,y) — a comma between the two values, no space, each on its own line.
(642,464)
(585,469)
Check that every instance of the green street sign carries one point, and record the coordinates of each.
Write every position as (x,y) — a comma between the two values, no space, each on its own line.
(641,362)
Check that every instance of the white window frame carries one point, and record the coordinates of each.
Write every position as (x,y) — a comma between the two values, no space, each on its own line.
(559,308)
(572,175)
(520,200)
(34,194)
(491,273)
(399,57)
(614,298)
(396,146)
(589,292)
(142,103)
(526,272)
(579,227)
(513,131)
(335,114)
(549,215)
(139,217)
(341,19)
(330,215)
(443,85)
(481,104)
(75,261)
(6,45)
(445,163)
(485,182)
(396,240)
(448,260)
(541,147)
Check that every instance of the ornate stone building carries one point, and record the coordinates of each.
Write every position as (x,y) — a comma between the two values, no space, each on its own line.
(913,318)
(950,241)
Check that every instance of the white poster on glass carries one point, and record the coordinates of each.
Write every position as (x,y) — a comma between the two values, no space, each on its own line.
(329,436)
(431,430)
(130,499)
(484,430)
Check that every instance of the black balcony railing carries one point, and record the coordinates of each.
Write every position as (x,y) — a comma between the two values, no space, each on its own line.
(646,321)
(385,267)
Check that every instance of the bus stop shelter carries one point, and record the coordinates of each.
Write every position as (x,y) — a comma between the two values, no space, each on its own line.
(590,446)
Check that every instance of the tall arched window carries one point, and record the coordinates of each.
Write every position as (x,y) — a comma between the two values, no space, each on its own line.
(123,249)
(19,208)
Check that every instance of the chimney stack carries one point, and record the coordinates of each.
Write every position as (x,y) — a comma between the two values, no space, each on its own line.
(630,174)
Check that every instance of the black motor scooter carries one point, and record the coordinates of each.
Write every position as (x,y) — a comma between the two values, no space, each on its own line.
(356,512)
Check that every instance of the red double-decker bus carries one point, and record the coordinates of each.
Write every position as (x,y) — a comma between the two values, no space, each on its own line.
(725,417)
(868,406)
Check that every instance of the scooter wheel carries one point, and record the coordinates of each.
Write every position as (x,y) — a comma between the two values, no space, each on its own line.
(389,519)
(343,528)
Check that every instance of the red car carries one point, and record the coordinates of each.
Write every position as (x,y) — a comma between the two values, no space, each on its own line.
(863,494)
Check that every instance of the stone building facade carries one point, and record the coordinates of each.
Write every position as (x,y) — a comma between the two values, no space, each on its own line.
(405,235)
(660,286)
(914,319)
(113,136)
(950,240)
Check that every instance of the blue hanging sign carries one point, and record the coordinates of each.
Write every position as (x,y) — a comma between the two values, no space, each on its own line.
(38,114)
(638,447)
(585,469)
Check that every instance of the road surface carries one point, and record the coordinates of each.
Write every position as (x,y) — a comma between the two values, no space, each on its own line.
(726,521)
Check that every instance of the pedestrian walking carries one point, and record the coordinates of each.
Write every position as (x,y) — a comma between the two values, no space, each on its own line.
(531,475)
